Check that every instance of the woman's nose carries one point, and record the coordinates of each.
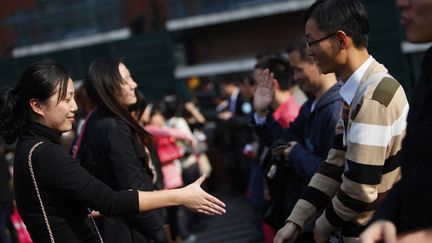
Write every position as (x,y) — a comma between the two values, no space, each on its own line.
(133,84)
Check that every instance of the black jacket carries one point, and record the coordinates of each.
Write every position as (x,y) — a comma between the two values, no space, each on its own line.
(314,133)
(66,190)
(408,204)
(111,152)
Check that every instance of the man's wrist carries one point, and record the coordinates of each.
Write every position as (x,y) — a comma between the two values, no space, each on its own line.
(291,222)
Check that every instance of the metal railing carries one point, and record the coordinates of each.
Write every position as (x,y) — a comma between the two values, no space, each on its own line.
(187,8)
(60,21)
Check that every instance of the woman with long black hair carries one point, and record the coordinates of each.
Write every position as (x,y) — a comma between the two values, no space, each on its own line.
(115,148)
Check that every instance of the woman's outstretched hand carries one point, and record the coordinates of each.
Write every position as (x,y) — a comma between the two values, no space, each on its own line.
(196,199)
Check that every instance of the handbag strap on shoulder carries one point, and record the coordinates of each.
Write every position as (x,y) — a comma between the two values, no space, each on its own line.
(30,164)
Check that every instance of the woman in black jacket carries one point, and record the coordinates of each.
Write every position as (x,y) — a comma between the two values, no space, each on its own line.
(115,149)
(38,110)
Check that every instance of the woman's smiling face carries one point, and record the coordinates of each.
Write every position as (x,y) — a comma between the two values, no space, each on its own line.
(126,95)
(58,114)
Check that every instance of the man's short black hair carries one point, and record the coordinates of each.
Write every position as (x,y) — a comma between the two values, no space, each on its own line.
(231,78)
(282,71)
(299,44)
(347,15)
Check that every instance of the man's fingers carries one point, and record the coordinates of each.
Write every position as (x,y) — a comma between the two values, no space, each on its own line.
(389,233)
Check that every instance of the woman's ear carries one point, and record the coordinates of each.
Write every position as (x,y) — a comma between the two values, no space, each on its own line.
(36,106)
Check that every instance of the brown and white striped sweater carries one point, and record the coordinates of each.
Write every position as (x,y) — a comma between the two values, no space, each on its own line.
(362,165)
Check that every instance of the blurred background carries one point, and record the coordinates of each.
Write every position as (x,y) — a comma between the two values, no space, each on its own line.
(179,46)
(183,48)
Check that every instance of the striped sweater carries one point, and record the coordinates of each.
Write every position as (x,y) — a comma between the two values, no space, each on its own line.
(362,165)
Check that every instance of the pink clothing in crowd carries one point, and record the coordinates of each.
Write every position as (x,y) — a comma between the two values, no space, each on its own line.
(287,112)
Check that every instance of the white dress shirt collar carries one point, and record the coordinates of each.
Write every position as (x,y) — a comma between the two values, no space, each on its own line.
(350,86)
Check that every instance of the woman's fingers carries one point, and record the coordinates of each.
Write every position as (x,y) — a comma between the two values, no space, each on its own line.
(216,201)
(202,211)
(210,210)
(210,205)
(215,204)
(200,180)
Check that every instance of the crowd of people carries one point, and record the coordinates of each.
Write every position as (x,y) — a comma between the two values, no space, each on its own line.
(321,139)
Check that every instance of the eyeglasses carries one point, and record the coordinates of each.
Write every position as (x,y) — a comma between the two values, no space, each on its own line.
(311,43)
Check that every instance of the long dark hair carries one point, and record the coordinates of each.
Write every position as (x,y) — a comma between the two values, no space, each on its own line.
(102,82)
(39,81)
(140,106)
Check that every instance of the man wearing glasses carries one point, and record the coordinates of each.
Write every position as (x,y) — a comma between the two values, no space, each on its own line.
(362,165)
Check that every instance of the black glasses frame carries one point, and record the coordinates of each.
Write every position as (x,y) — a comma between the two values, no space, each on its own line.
(311,43)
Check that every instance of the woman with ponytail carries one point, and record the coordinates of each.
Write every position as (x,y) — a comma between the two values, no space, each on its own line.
(53,192)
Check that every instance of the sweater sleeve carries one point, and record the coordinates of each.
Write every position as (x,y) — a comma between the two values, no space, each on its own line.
(324,182)
(372,164)
(58,170)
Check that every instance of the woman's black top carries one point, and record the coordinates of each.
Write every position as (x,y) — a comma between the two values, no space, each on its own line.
(110,151)
(66,188)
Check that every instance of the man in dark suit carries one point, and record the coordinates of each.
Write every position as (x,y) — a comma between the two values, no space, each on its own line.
(233,131)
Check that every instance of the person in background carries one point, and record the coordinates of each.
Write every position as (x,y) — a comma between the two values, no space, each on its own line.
(405,215)
(286,110)
(284,103)
(309,136)
(6,195)
(362,165)
(233,133)
(117,150)
(37,111)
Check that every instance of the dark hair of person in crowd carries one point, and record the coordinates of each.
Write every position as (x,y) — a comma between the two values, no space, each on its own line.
(230,79)
(348,16)
(299,44)
(280,68)
(39,81)
(172,106)
(248,79)
(102,82)
(158,108)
